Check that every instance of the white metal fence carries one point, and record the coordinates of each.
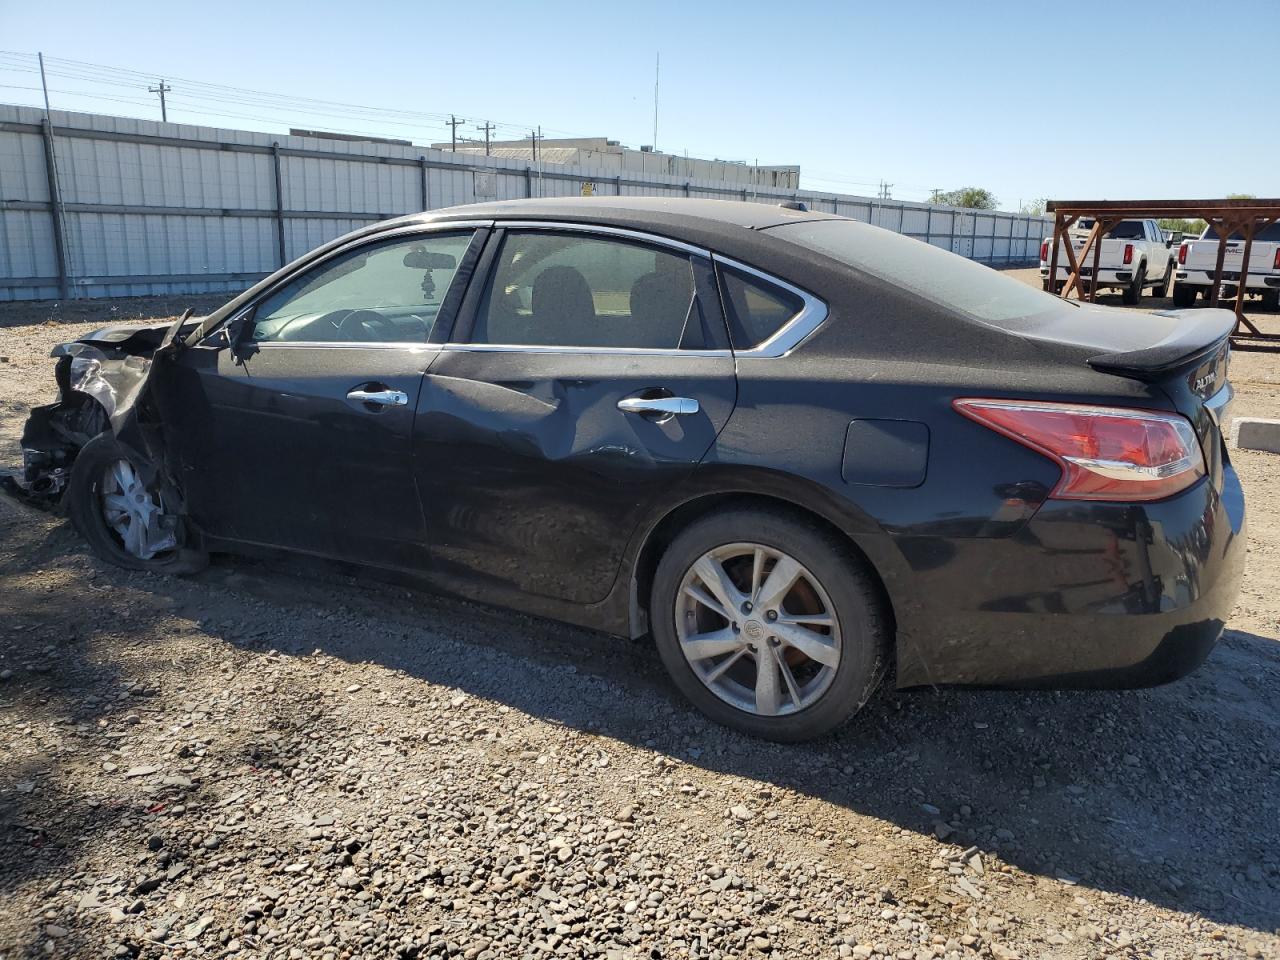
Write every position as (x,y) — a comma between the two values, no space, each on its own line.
(99,206)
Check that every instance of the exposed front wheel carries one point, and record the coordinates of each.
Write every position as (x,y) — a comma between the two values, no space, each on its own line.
(124,515)
(768,624)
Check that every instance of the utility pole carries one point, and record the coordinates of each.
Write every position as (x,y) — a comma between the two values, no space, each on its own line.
(935,194)
(61,247)
(162,90)
(454,123)
(487,128)
(534,137)
(657,64)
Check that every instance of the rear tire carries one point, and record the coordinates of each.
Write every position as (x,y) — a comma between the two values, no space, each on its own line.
(1132,294)
(1184,295)
(1161,287)
(1271,300)
(86,506)
(813,695)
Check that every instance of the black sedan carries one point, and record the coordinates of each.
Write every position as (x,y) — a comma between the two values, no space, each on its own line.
(799,451)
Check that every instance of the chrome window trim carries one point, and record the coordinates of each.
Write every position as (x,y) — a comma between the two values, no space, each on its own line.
(599,351)
(413,346)
(638,235)
(813,312)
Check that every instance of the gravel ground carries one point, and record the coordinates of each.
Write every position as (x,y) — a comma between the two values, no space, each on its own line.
(282,760)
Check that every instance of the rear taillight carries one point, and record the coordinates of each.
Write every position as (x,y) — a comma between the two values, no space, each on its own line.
(1128,253)
(1044,250)
(1182,254)
(1275,264)
(1106,453)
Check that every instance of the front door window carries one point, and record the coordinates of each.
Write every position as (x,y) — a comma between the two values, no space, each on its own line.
(385,292)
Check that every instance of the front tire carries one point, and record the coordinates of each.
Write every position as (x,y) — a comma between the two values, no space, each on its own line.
(124,519)
(769,624)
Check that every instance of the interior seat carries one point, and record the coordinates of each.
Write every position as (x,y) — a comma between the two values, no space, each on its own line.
(563,311)
(659,308)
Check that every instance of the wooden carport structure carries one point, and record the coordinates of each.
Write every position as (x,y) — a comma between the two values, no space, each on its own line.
(1246,216)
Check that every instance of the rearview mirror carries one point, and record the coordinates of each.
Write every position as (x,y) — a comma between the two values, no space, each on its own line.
(423,259)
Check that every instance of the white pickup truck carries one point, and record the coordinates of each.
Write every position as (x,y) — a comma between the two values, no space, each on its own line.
(1197,260)
(1134,255)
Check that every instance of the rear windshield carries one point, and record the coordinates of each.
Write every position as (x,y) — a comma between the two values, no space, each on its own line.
(923,269)
(1269,234)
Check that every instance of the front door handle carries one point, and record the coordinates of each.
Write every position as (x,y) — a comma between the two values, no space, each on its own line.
(382,398)
(659,406)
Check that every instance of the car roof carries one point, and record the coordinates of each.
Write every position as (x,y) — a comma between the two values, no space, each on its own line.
(684,218)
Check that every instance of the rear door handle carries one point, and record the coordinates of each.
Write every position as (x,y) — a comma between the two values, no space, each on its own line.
(382,398)
(659,406)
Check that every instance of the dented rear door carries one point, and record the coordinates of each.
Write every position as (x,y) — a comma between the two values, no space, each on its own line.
(530,474)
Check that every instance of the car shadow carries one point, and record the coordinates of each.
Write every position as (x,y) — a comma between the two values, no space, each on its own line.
(1165,795)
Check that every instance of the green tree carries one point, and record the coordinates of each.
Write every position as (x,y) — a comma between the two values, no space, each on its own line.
(1034,209)
(971,198)
(1185,227)
(1241,196)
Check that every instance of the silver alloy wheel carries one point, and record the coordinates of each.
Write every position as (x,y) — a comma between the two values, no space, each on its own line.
(134,513)
(758,629)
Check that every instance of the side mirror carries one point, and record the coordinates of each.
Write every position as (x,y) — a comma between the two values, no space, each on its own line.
(229,335)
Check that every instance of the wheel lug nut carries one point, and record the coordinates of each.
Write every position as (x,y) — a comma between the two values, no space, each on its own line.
(771,615)
(746,607)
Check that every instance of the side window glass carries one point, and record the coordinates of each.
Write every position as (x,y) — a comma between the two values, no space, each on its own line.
(389,292)
(756,309)
(578,290)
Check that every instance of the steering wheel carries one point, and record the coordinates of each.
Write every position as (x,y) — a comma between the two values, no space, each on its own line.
(365,325)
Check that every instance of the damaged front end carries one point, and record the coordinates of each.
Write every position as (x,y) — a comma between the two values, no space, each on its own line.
(102,380)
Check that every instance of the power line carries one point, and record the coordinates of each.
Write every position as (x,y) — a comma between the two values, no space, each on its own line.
(124,76)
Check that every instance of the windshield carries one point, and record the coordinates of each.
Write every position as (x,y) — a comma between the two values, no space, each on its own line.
(938,275)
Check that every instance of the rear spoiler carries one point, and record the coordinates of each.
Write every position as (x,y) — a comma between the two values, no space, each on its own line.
(1198,335)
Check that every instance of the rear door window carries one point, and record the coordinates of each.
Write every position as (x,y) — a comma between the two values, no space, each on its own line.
(572,289)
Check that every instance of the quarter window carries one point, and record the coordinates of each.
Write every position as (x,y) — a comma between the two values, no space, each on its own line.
(757,309)
(578,290)
(390,291)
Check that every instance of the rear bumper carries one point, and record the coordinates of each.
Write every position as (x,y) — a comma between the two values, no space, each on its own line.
(1085,595)
(1203,278)
(1106,278)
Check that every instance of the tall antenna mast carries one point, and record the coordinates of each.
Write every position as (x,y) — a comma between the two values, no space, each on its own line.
(657,64)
